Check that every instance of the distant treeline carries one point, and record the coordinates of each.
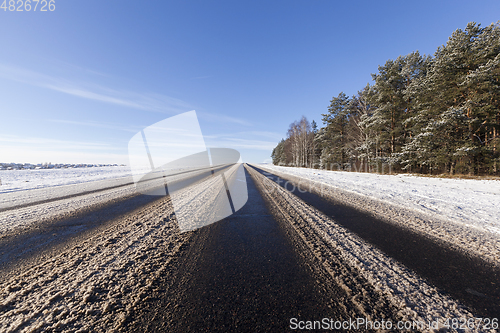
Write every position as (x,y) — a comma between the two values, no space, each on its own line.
(422,114)
(48,165)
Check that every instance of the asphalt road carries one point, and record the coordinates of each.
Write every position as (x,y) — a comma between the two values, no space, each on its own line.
(123,265)
(471,280)
(241,274)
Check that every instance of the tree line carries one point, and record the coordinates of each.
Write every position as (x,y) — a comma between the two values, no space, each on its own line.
(421,114)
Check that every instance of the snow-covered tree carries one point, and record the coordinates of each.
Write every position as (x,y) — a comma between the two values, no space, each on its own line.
(463,78)
(336,125)
(422,114)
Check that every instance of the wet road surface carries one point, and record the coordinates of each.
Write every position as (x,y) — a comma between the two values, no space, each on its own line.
(241,274)
(468,279)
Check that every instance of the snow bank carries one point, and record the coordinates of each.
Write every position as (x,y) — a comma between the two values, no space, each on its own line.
(472,203)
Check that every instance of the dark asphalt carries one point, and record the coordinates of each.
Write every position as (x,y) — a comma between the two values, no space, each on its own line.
(241,274)
(25,246)
(471,280)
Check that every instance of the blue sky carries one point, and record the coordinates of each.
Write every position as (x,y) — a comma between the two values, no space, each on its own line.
(77,83)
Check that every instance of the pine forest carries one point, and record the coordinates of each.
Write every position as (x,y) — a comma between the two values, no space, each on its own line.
(420,114)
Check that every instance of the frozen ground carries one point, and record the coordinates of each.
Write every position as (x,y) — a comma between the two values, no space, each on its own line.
(20,180)
(94,284)
(26,187)
(99,283)
(463,213)
(337,248)
(474,203)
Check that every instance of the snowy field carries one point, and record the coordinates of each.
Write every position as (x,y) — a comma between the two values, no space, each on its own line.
(473,203)
(20,180)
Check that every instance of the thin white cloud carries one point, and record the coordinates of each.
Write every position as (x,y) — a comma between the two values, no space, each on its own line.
(265,134)
(98,124)
(23,141)
(255,140)
(211,117)
(241,143)
(74,67)
(270,135)
(26,149)
(142,101)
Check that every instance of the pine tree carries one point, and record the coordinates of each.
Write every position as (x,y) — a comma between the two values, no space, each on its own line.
(316,146)
(461,81)
(278,155)
(361,136)
(392,104)
(335,136)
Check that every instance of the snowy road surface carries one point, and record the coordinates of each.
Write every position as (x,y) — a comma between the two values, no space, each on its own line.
(121,264)
(461,212)
(469,202)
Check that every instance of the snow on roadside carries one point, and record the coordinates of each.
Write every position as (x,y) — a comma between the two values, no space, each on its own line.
(416,299)
(20,180)
(25,217)
(96,284)
(472,203)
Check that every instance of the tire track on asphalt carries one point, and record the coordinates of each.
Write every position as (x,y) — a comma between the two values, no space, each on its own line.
(468,279)
(244,273)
